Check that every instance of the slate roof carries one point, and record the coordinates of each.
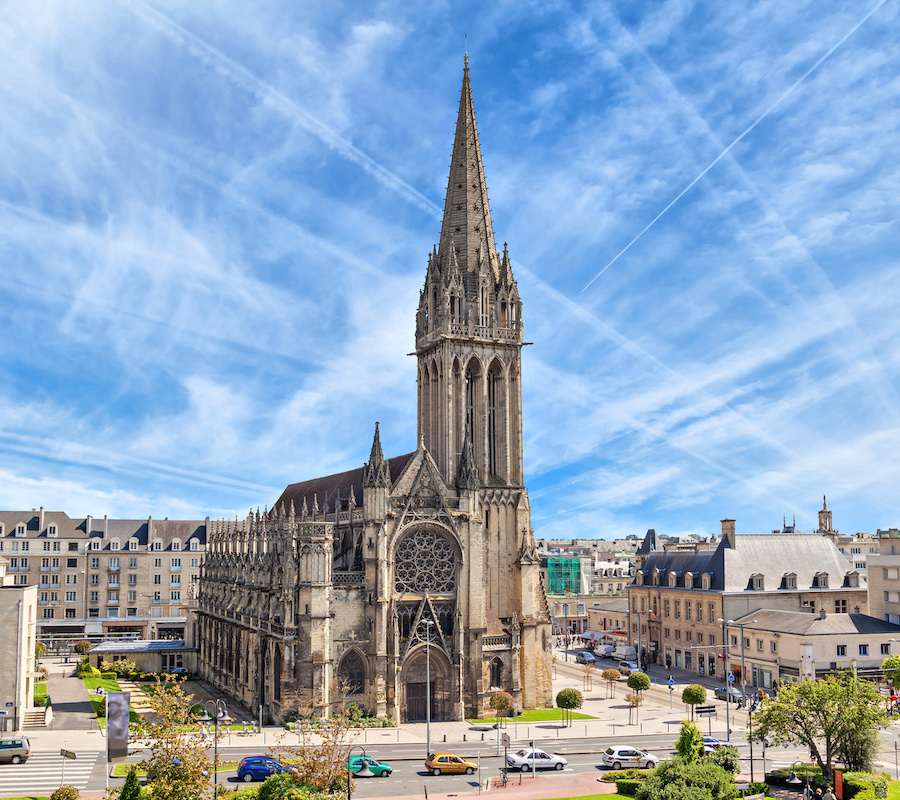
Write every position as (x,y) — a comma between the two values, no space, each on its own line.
(166,530)
(140,646)
(806,624)
(771,555)
(332,487)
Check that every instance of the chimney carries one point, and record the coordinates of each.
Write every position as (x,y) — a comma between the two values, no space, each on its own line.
(821,613)
(41,520)
(105,526)
(728,532)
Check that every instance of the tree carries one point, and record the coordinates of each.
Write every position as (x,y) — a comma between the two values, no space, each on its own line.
(132,788)
(611,676)
(634,700)
(501,702)
(569,699)
(678,779)
(178,768)
(689,744)
(83,647)
(728,758)
(836,716)
(891,668)
(693,695)
(638,681)
(121,667)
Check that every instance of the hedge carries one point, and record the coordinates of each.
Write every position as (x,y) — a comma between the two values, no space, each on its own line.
(857,784)
(627,787)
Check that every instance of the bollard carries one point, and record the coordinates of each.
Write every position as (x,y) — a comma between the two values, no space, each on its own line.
(482,737)
(464,737)
(445,737)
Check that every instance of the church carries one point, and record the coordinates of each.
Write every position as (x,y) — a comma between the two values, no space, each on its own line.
(412,578)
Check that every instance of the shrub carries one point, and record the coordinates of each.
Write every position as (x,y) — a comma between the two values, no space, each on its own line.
(627,787)
(689,744)
(631,773)
(65,793)
(727,758)
(759,787)
(276,786)
(856,783)
(123,667)
(83,647)
(500,702)
(109,675)
(132,788)
(698,780)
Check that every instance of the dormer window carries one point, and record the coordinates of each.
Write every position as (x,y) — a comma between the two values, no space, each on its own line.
(20,529)
(706,581)
(853,579)
(51,530)
(2,529)
(655,576)
(639,578)
(689,580)
(176,544)
(132,544)
(95,544)
(157,544)
(673,580)
(789,580)
(114,544)
(195,545)
(821,580)
(757,582)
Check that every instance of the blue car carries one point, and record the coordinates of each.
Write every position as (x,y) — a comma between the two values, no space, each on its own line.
(258,768)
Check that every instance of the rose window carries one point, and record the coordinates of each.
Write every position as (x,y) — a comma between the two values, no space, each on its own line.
(424,562)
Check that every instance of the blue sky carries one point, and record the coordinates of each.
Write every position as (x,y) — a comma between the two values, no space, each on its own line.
(215,220)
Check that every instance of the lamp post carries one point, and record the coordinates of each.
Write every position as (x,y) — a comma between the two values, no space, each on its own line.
(363,771)
(794,780)
(743,670)
(220,712)
(428,623)
(727,684)
(566,612)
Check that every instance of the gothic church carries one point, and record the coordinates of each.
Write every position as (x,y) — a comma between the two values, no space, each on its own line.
(352,582)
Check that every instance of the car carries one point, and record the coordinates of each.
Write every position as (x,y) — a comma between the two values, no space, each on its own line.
(379,769)
(603,650)
(258,768)
(527,760)
(627,667)
(627,756)
(584,657)
(14,749)
(731,694)
(439,763)
(715,744)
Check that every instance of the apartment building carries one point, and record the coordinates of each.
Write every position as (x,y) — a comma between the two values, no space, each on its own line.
(680,598)
(18,606)
(104,578)
(884,577)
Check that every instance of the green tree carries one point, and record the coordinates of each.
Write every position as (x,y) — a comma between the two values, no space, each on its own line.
(638,681)
(891,668)
(83,647)
(178,768)
(727,758)
(834,716)
(678,779)
(132,788)
(611,676)
(689,744)
(123,666)
(693,695)
(569,699)
(501,702)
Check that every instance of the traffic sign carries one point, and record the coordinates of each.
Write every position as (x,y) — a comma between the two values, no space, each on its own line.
(731,678)
(67,754)
(504,739)
(671,682)
(705,710)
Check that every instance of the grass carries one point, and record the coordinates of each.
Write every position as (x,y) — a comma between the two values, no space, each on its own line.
(92,683)
(40,694)
(537,715)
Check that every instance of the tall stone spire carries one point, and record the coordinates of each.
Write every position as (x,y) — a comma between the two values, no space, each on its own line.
(467,226)
(377,471)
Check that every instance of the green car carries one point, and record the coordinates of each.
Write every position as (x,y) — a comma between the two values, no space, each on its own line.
(378,768)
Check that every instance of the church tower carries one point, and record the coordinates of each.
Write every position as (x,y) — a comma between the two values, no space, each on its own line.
(469,329)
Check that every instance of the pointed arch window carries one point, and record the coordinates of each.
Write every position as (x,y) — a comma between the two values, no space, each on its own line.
(496,673)
(352,673)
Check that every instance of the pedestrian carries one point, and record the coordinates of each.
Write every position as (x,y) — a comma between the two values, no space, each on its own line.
(829,795)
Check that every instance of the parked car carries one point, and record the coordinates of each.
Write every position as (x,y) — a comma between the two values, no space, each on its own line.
(627,667)
(730,694)
(603,650)
(379,769)
(14,749)
(258,768)
(438,763)
(527,760)
(584,657)
(627,756)
(715,744)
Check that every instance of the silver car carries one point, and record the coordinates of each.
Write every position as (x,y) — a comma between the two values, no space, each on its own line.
(525,760)
(14,748)
(625,756)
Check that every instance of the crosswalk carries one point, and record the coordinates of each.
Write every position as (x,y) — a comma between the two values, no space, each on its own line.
(43,772)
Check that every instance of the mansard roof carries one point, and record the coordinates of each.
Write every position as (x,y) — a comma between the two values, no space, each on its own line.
(147,531)
(332,487)
(803,623)
(770,554)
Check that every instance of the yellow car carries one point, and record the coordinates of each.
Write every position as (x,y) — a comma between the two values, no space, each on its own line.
(438,763)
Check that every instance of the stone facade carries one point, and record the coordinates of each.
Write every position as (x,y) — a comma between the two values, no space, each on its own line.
(417,573)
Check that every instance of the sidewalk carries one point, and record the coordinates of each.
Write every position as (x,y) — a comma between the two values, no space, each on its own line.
(72,710)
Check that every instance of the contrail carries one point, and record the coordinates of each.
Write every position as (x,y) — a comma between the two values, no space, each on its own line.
(749,128)
(247,80)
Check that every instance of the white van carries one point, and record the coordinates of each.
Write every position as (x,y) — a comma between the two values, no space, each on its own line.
(603,650)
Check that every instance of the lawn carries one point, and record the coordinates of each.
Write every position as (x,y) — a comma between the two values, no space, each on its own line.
(40,694)
(537,715)
(109,685)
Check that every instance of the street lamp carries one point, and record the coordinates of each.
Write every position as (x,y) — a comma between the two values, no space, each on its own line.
(566,612)
(743,670)
(795,781)
(219,712)
(427,623)
(363,771)
(640,653)
(727,683)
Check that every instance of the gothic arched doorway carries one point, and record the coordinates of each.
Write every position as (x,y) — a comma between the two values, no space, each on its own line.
(419,670)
